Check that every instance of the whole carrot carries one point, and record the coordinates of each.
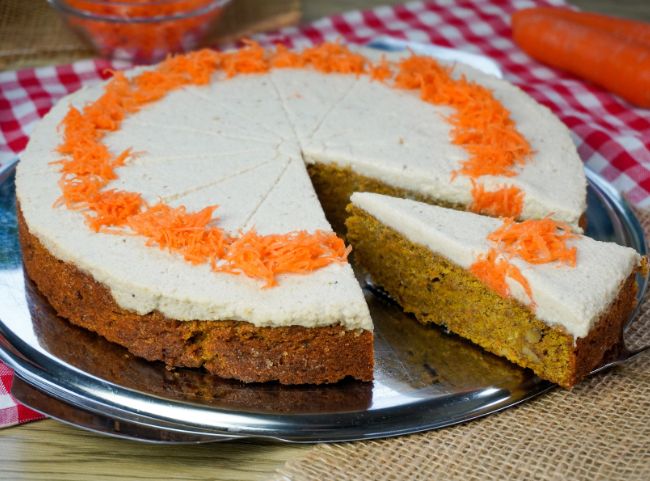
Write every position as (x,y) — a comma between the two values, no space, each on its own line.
(617,64)
(629,29)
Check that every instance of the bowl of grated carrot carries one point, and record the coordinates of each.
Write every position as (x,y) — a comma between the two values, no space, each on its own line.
(143,31)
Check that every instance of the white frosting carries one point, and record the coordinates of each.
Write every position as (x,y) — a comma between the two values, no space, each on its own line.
(266,188)
(392,135)
(572,298)
(240,143)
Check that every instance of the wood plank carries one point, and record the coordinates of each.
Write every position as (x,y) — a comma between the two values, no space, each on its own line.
(49,450)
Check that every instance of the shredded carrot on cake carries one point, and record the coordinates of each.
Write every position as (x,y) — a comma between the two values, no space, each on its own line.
(536,241)
(76,192)
(493,269)
(480,124)
(250,59)
(503,202)
(190,234)
(265,257)
(381,71)
(418,72)
(112,208)
(333,57)
(285,58)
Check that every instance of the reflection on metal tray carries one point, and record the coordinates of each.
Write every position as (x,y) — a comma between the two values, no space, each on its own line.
(424,377)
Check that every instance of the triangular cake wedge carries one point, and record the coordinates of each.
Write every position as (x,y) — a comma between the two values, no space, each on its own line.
(557,317)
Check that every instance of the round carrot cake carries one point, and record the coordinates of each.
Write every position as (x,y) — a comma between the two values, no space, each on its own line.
(189,211)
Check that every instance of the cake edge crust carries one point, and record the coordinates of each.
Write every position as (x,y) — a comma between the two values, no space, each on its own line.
(228,349)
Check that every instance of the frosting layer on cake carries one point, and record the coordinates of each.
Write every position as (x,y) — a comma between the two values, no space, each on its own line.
(570,297)
(241,143)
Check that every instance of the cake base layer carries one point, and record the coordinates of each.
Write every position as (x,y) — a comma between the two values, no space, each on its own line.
(438,291)
(228,349)
(335,184)
(95,355)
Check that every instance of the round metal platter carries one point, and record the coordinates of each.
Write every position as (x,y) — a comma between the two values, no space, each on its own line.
(425,378)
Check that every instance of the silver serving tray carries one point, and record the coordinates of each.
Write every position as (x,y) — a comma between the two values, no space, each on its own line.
(425,378)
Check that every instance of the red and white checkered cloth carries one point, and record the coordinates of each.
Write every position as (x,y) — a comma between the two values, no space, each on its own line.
(12,412)
(613,138)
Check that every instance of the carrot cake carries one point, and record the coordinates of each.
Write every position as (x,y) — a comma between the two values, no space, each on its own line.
(533,292)
(180,210)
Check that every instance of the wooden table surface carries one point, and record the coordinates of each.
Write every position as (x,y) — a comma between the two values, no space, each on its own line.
(48,450)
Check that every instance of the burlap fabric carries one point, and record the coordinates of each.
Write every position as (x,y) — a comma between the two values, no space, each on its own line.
(32,34)
(600,430)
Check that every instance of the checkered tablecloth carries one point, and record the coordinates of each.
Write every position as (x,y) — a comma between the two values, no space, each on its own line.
(613,138)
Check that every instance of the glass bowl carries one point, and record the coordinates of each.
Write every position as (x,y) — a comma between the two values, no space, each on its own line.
(142,31)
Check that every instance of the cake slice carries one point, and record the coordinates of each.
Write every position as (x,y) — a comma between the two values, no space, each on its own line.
(533,292)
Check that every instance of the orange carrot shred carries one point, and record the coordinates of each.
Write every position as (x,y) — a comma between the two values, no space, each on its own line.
(480,124)
(285,58)
(493,269)
(381,71)
(267,256)
(536,241)
(503,202)
(250,59)
(112,208)
(334,58)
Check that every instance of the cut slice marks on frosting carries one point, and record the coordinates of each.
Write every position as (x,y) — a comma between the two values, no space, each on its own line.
(95,151)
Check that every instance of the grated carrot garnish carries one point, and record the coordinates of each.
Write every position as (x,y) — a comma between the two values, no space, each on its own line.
(333,57)
(112,208)
(381,71)
(536,241)
(193,235)
(77,192)
(503,202)
(250,59)
(268,256)
(480,124)
(285,58)
(493,269)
